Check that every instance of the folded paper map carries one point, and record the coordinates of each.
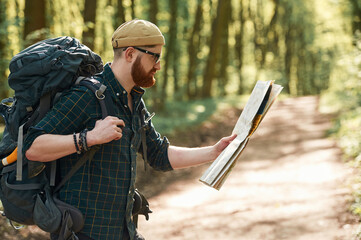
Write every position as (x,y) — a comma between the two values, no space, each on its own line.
(262,97)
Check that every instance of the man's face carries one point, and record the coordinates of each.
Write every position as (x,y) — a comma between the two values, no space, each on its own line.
(141,77)
(145,66)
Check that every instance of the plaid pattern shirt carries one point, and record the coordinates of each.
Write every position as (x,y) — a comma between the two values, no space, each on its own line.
(106,197)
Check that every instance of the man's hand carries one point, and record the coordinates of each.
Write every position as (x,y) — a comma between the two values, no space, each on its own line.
(48,147)
(105,131)
(181,157)
(223,143)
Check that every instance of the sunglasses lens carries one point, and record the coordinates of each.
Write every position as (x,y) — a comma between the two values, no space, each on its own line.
(157,58)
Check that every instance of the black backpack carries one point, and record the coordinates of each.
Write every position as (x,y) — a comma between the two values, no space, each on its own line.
(38,74)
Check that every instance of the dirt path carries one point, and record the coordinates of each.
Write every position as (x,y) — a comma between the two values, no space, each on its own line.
(289,184)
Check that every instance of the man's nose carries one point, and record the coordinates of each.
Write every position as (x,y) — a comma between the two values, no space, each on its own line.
(157,66)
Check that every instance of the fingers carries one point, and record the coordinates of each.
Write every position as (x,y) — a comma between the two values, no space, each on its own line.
(115,121)
(229,139)
(232,137)
(224,142)
(107,130)
(117,125)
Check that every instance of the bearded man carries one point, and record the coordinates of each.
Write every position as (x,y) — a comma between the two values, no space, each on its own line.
(103,189)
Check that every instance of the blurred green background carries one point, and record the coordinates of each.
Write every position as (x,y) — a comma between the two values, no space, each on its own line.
(215,50)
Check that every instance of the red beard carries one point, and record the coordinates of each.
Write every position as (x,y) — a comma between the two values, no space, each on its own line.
(140,77)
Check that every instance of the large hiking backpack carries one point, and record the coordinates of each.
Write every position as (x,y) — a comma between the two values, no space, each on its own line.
(38,74)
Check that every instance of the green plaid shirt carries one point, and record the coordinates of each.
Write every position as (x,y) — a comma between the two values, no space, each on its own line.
(106,198)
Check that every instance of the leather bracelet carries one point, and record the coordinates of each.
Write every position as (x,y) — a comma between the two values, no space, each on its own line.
(76,144)
(83,141)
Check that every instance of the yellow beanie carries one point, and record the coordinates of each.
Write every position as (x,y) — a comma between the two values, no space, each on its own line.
(137,33)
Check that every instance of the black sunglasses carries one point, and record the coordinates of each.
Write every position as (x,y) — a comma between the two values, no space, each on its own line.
(155,55)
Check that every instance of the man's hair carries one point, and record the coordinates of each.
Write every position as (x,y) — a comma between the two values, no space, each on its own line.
(117,52)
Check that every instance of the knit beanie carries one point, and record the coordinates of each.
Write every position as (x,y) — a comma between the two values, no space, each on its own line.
(137,33)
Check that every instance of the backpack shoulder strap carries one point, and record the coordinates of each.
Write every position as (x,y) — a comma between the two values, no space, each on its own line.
(45,101)
(42,109)
(87,156)
(106,104)
(144,123)
(101,94)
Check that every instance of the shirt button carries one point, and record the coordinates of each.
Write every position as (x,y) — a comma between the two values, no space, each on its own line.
(118,94)
(125,106)
(132,146)
(124,92)
(132,169)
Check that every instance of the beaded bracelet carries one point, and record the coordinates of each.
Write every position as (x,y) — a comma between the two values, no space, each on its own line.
(76,144)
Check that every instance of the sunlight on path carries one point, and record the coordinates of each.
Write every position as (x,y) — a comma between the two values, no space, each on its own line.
(288,184)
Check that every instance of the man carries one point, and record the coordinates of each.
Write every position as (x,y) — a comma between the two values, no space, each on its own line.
(103,188)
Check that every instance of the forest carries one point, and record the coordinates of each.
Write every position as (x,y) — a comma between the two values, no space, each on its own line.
(213,48)
(216,50)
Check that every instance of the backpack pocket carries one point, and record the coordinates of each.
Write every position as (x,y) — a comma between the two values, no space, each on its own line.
(7,143)
(17,207)
(29,202)
(47,216)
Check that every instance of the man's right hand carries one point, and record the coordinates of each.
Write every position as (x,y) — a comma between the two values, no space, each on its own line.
(105,131)
(48,147)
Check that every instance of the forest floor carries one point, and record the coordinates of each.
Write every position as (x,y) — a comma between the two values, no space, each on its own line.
(290,183)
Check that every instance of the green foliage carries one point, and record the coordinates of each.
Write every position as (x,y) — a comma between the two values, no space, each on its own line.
(184,114)
(344,99)
(344,96)
(264,43)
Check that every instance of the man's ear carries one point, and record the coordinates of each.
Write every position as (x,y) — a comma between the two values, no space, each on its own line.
(129,54)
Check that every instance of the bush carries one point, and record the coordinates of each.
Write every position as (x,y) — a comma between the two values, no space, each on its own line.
(344,99)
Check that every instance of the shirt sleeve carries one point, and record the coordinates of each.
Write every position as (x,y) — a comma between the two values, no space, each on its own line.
(157,148)
(70,114)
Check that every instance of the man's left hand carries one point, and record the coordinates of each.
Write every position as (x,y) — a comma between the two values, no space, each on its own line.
(223,143)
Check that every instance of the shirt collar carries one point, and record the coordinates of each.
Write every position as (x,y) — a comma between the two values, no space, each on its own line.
(117,89)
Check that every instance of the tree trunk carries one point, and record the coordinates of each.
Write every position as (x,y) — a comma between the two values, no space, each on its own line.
(288,59)
(193,43)
(178,94)
(175,50)
(260,33)
(210,70)
(223,74)
(156,98)
(119,15)
(89,15)
(313,64)
(356,12)
(3,50)
(153,11)
(34,14)
(169,50)
(239,47)
(302,80)
(132,6)
(272,34)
